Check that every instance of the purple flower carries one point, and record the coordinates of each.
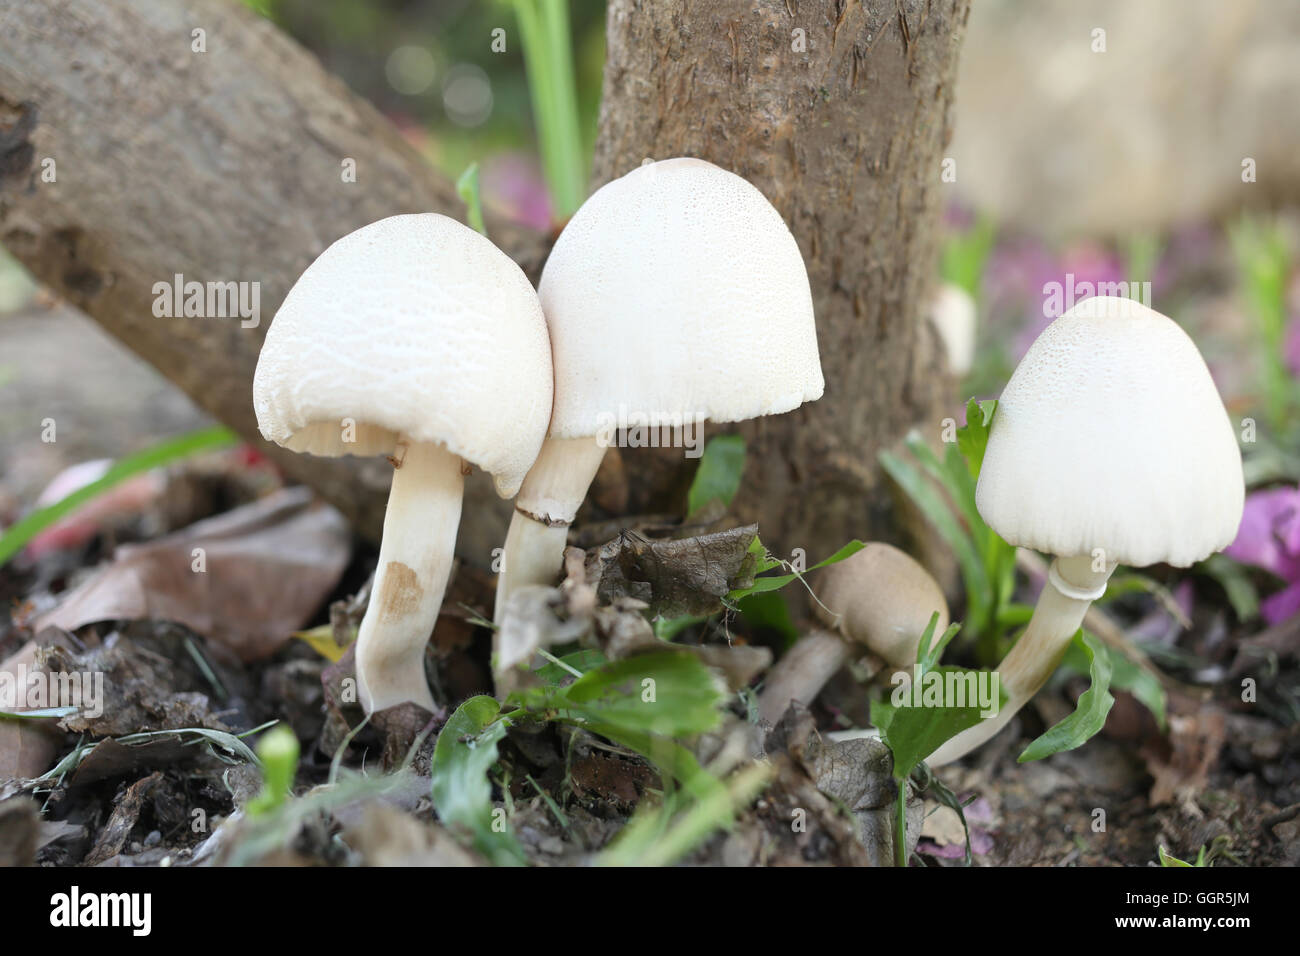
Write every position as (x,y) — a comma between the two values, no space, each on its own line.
(512,182)
(1291,346)
(1269,538)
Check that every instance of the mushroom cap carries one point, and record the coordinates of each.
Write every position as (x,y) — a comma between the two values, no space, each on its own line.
(883,598)
(1111,435)
(412,326)
(677,294)
(952,310)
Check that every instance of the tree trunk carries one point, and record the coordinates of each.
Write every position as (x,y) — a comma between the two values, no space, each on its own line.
(227,165)
(839,112)
(224,165)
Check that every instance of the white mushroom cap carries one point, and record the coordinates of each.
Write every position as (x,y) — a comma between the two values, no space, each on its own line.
(412,326)
(952,310)
(1111,435)
(677,293)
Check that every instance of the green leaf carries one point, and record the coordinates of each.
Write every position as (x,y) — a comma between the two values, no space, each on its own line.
(776,582)
(666,628)
(669,693)
(927,657)
(278,752)
(1169,860)
(1236,584)
(1090,712)
(973,437)
(768,610)
(467,187)
(26,528)
(936,509)
(465,752)
(926,782)
(582,661)
(965,254)
(1125,675)
(914,732)
(719,473)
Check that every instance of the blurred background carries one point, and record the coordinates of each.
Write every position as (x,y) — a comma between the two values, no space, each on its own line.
(1113,142)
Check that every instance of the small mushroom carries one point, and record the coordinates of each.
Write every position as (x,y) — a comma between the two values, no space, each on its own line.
(879,599)
(416,338)
(952,310)
(1110,445)
(675,294)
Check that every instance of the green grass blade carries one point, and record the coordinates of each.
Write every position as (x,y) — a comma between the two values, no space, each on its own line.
(173,449)
(467,187)
(548,60)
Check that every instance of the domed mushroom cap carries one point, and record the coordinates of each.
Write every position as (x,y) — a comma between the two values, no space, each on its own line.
(882,598)
(413,325)
(677,292)
(1112,435)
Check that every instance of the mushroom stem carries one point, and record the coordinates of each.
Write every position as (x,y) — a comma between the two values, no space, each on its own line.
(801,674)
(1072,585)
(547,503)
(415,562)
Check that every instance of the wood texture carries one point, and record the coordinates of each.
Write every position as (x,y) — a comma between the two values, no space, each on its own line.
(225,165)
(843,129)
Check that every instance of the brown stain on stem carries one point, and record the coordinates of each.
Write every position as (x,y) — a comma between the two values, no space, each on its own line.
(400,593)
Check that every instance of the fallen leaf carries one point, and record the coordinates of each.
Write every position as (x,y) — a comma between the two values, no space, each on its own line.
(126,811)
(28,746)
(19,828)
(385,836)
(1183,770)
(674,578)
(267,567)
(147,677)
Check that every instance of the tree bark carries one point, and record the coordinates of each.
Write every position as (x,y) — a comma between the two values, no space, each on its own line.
(224,165)
(839,112)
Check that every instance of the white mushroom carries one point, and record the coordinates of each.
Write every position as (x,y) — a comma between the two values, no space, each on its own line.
(413,337)
(879,599)
(675,294)
(952,310)
(1110,445)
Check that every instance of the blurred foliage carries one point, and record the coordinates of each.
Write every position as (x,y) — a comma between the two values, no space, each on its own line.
(356,40)
(944,491)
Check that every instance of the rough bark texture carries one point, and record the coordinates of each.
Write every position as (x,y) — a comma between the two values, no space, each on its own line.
(846,139)
(226,165)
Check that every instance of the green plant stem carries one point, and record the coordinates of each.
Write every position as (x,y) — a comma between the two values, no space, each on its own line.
(548,60)
(467,186)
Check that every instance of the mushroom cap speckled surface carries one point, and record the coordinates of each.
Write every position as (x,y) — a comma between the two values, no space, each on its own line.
(1111,435)
(414,325)
(677,293)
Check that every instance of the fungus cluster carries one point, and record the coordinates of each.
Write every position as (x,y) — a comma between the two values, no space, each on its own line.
(675,295)
(416,338)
